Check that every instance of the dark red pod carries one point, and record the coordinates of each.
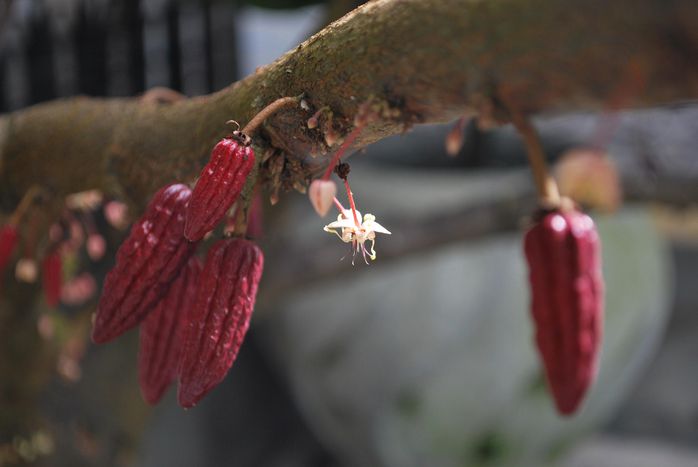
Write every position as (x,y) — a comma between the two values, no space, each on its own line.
(146,263)
(8,243)
(564,258)
(162,334)
(221,316)
(52,277)
(255,220)
(219,185)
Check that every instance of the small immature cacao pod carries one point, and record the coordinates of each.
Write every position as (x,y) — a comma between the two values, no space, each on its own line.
(255,219)
(8,243)
(162,334)
(564,259)
(220,318)
(219,185)
(52,277)
(146,263)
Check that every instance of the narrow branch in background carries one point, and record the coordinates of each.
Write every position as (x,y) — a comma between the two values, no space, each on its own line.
(24,205)
(128,149)
(267,112)
(629,87)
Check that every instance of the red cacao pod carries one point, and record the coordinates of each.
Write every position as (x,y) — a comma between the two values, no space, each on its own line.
(146,263)
(220,318)
(8,243)
(52,277)
(255,219)
(564,259)
(219,186)
(162,334)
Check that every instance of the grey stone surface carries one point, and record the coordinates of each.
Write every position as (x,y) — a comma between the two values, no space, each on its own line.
(608,451)
(428,359)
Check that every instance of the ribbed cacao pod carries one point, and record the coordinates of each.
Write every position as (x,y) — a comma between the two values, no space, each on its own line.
(8,243)
(146,263)
(219,185)
(162,334)
(221,316)
(564,259)
(52,277)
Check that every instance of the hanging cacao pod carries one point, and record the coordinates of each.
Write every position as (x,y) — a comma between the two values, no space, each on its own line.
(564,259)
(219,185)
(162,334)
(8,243)
(52,277)
(146,263)
(220,318)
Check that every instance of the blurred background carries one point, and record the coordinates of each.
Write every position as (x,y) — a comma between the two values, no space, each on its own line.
(423,358)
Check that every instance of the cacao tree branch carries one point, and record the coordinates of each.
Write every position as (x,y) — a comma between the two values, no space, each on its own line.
(411,61)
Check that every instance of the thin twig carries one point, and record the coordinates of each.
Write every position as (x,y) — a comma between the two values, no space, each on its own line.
(24,204)
(548,193)
(340,152)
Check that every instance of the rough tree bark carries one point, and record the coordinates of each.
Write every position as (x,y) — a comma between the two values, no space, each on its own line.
(415,61)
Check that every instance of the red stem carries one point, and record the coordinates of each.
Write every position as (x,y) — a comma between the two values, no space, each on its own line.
(338,205)
(340,152)
(351,203)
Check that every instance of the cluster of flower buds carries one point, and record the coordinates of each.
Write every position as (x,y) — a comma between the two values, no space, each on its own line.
(69,240)
(193,317)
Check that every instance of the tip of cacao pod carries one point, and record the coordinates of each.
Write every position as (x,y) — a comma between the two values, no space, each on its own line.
(187,398)
(152,396)
(192,234)
(102,332)
(99,336)
(568,406)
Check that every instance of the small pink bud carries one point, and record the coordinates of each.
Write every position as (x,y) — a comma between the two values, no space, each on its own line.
(84,200)
(331,136)
(589,177)
(116,214)
(455,138)
(78,290)
(26,270)
(45,326)
(55,233)
(322,193)
(68,368)
(454,141)
(96,246)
